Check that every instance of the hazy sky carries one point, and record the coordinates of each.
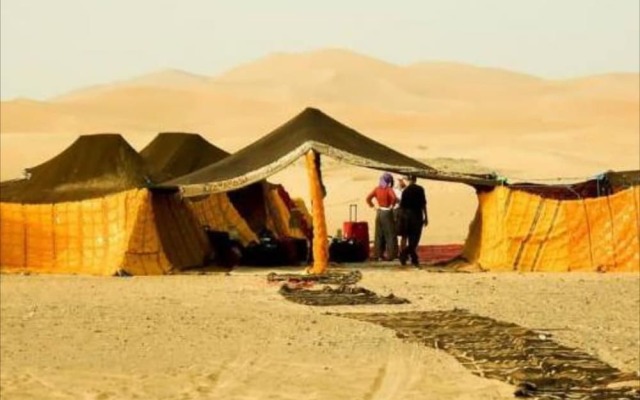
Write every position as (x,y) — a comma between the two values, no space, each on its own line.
(50,47)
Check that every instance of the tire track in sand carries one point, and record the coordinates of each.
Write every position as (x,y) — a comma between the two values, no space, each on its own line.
(391,381)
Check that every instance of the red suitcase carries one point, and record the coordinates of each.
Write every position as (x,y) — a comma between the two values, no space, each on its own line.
(358,231)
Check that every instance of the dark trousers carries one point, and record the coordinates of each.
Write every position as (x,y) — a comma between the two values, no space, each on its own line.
(385,238)
(413,232)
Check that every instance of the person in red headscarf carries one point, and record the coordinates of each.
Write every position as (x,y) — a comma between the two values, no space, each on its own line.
(385,232)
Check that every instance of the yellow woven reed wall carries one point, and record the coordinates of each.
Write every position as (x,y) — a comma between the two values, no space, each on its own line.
(88,237)
(144,255)
(100,236)
(518,231)
(12,236)
(184,242)
(217,211)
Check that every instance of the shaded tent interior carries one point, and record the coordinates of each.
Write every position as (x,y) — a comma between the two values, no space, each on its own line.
(249,201)
(173,154)
(241,217)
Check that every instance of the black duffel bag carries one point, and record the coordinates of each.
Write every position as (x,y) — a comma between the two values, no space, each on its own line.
(347,250)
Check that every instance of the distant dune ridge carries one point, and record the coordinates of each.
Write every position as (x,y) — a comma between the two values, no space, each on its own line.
(419,96)
(459,116)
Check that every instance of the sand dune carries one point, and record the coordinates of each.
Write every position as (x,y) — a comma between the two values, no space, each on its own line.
(25,115)
(425,96)
(168,78)
(300,66)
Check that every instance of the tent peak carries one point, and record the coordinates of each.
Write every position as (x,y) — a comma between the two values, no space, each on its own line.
(312,110)
(101,135)
(172,154)
(309,129)
(179,134)
(92,166)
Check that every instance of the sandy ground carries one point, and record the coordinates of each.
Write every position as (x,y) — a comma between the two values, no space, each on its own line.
(234,337)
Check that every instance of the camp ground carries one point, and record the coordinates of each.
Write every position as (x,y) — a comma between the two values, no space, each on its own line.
(102,208)
(329,200)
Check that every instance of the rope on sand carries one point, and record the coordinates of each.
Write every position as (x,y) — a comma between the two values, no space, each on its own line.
(329,278)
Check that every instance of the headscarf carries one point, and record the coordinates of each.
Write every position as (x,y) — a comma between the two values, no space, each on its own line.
(386,180)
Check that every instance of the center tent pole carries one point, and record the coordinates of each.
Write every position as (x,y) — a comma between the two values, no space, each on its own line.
(320,238)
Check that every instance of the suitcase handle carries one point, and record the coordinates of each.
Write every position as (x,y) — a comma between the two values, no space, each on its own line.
(353,212)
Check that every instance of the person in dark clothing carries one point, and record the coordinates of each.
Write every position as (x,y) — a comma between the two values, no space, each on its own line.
(413,209)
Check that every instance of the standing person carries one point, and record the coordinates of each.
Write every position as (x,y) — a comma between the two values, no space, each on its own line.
(413,208)
(397,213)
(385,235)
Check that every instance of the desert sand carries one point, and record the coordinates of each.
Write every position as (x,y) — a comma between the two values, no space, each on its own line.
(233,336)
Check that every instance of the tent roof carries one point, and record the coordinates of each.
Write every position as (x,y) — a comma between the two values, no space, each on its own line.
(311,129)
(173,154)
(621,179)
(605,184)
(94,165)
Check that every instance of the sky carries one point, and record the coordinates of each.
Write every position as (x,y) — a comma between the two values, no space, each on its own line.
(51,47)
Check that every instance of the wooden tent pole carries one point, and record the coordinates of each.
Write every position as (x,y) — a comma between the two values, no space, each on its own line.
(320,238)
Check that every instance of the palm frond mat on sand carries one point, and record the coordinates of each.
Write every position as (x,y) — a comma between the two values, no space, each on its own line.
(541,368)
(343,295)
(297,288)
(335,278)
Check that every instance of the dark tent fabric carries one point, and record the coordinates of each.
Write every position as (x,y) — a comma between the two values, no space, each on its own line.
(606,184)
(250,202)
(581,190)
(173,154)
(93,166)
(621,180)
(309,130)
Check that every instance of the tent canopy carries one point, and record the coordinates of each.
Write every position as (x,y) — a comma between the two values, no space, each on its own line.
(605,184)
(93,166)
(309,130)
(173,154)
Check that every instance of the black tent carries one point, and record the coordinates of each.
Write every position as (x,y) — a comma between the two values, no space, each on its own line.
(173,154)
(93,166)
(309,130)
